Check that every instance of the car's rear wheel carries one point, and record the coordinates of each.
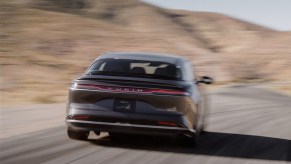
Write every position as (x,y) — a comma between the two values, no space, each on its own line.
(77,134)
(199,130)
(195,140)
(115,137)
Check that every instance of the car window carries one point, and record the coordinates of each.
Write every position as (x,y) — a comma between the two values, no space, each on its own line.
(135,68)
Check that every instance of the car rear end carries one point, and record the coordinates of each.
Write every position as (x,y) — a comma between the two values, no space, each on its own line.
(131,96)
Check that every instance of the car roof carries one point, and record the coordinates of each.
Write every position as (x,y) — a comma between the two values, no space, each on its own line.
(143,56)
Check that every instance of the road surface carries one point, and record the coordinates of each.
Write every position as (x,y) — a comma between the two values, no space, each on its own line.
(245,125)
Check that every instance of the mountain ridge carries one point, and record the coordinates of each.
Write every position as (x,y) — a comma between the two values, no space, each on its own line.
(45,43)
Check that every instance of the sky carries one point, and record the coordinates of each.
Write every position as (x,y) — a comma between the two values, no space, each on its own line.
(275,14)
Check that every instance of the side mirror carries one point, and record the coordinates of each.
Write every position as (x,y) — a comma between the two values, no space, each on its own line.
(205,80)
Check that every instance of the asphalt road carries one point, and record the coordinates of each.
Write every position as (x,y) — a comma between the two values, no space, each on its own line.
(246,125)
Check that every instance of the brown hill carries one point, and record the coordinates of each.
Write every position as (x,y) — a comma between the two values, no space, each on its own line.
(44,44)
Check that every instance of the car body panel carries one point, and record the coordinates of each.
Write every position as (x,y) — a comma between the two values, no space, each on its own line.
(155,106)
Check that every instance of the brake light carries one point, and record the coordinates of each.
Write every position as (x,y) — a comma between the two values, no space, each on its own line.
(167,123)
(171,92)
(78,117)
(131,90)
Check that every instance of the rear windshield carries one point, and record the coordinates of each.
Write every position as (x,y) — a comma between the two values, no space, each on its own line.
(135,68)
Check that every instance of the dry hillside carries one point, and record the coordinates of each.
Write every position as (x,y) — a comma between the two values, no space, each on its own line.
(45,43)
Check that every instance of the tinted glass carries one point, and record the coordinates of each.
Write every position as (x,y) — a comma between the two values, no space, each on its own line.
(135,68)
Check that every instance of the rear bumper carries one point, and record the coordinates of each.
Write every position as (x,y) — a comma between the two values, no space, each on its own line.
(128,128)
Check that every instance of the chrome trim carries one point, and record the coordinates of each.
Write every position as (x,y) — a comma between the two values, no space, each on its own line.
(131,125)
(134,93)
(107,91)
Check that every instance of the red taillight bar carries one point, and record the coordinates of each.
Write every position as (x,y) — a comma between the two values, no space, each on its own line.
(174,92)
(80,117)
(132,90)
(167,123)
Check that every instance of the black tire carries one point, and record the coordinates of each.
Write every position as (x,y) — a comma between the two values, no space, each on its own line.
(203,132)
(116,137)
(188,141)
(195,140)
(78,135)
(195,137)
